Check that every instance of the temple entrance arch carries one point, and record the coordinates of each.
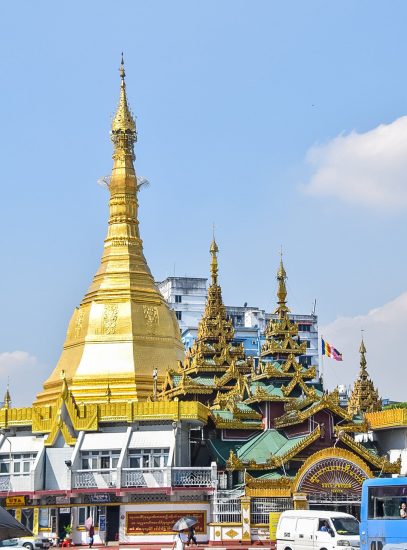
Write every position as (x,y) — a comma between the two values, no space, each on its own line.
(332,478)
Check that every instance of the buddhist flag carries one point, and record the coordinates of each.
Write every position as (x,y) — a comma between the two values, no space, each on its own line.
(330,351)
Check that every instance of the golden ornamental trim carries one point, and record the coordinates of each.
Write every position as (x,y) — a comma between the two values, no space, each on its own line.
(324,454)
(381,463)
(387,418)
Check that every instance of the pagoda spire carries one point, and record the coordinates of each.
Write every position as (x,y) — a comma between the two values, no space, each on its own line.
(123,132)
(214,262)
(122,320)
(364,397)
(282,308)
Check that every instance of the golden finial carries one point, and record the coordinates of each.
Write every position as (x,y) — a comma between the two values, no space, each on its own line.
(281,290)
(214,262)
(123,132)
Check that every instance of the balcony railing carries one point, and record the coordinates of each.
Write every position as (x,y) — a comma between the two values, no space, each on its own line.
(148,477)
(94,479)
(16,483)
(191,477)
(144,478)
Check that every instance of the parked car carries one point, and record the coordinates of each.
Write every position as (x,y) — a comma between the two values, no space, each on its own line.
(317,530)
(12,544)
(34,543)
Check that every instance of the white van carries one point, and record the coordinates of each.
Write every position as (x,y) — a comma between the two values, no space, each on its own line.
(317,530)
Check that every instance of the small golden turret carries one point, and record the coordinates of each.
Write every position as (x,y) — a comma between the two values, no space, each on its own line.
(364,397)
(7,399)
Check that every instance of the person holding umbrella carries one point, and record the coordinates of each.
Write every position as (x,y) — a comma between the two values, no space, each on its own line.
(180,540)
(183,526)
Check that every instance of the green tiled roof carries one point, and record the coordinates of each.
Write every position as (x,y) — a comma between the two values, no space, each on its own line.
(221,449)
(270,442)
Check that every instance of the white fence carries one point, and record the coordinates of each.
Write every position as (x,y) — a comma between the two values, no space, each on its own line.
(227,510)
(261,507)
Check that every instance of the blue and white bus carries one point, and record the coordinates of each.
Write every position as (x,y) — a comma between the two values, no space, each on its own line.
(383,524)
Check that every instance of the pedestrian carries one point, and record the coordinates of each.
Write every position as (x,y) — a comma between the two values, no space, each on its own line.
(91,535)
(180,540)
(191,535)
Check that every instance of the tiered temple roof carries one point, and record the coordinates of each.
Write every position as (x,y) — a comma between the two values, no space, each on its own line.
(280,375)
(214,365)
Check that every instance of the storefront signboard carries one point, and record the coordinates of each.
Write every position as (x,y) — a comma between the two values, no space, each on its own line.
(15,501)
(142,523)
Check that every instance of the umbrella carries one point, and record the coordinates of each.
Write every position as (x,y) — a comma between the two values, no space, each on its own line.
(88,523)
(184,523)
(10,527)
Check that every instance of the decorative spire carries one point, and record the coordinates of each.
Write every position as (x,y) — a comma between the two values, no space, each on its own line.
(363,362)
(282,308)
(214,262)
(364,397)
(123,134)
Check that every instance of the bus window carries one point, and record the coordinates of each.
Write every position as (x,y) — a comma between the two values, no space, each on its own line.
(385,501)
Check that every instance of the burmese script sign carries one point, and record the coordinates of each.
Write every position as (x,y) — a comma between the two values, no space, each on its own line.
(141,523)
(333,475)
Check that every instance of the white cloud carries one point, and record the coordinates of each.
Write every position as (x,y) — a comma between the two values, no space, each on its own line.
(385,333)
(367,169)
(25,374)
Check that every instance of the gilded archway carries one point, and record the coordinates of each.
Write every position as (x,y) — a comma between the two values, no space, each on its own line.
(332,471)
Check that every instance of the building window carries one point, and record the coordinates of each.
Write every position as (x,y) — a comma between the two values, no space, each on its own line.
(304,328)
(178,315)
(99,460)
(85,512)
(148,458)
(178,298)
(20,463)
(305,360)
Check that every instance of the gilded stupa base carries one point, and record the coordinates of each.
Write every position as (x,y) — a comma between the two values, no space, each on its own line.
(100,389)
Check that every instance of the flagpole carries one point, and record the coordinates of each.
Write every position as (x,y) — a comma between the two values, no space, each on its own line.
(321,372)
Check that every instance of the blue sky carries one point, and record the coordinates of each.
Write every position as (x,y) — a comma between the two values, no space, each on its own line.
(255,116)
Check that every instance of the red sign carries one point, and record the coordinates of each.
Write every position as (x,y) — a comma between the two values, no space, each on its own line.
(144,523)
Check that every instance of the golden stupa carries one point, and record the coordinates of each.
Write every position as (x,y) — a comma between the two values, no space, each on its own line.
(123,328)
